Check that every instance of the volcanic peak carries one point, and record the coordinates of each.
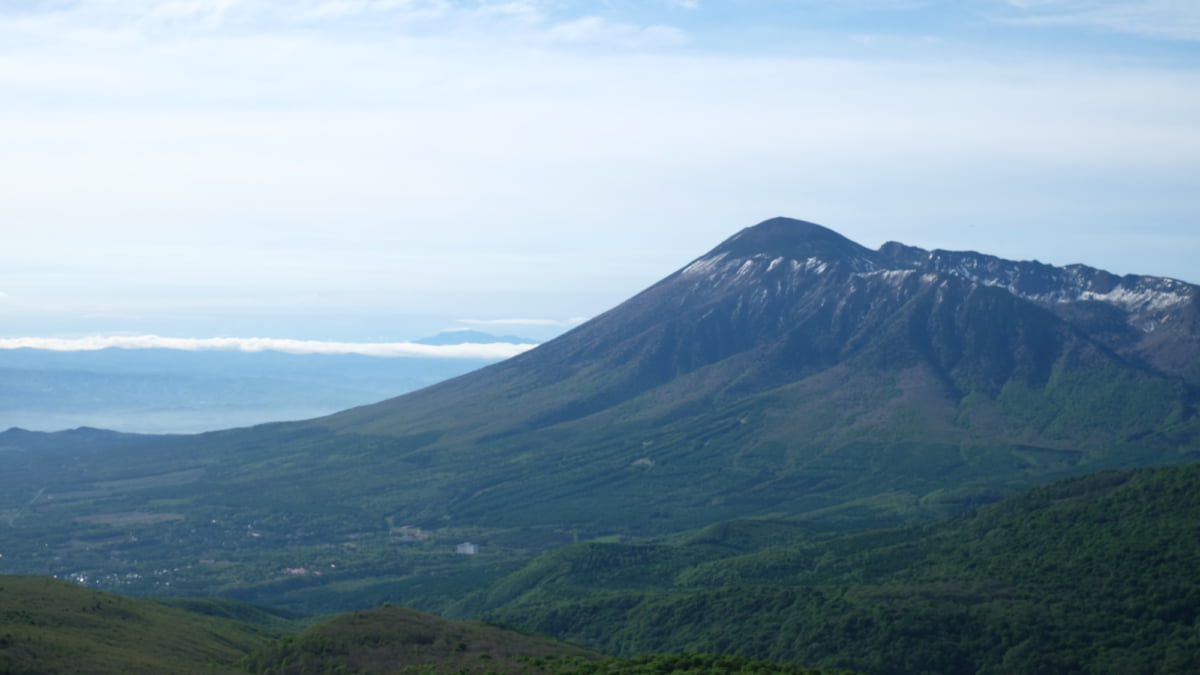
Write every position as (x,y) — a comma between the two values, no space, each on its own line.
(795,239)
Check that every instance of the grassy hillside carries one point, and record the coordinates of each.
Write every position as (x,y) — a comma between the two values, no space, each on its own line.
(53,626)
(1091,575)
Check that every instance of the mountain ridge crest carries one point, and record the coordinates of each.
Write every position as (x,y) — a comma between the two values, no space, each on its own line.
(1146,302)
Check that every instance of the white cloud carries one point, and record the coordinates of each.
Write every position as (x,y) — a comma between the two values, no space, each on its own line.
(381,349)
(489,21)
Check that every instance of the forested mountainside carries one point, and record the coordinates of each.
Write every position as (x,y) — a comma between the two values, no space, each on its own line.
(1095,574)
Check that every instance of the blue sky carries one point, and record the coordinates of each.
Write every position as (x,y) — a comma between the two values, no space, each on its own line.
(378,170)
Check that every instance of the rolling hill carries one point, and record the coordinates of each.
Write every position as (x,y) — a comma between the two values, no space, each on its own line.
(53,626)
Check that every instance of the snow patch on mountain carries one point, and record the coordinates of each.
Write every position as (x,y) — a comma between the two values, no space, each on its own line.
(1140,296)
(722,268)
(1138,299)
(894,277)
(703,266)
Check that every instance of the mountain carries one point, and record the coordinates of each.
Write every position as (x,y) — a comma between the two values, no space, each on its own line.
(787,371)
(791,368)
(784,300)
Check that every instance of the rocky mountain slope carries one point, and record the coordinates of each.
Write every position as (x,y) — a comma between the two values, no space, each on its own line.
(1151,320)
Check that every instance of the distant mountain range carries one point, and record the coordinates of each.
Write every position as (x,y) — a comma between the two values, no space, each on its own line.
(459,337)
(789,371)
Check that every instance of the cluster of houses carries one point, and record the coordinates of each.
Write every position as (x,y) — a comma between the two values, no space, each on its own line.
(410,533)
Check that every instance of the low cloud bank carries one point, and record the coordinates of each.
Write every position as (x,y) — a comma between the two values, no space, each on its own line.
(500,350)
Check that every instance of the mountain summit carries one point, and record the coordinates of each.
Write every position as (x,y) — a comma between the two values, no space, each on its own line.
(791,239)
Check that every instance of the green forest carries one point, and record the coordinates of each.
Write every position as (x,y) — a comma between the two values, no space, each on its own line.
(1095,574)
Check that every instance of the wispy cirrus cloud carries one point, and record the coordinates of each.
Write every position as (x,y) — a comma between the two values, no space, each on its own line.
(1163,19)
(598,30)
(526,20)
(380,349)
(333,9)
